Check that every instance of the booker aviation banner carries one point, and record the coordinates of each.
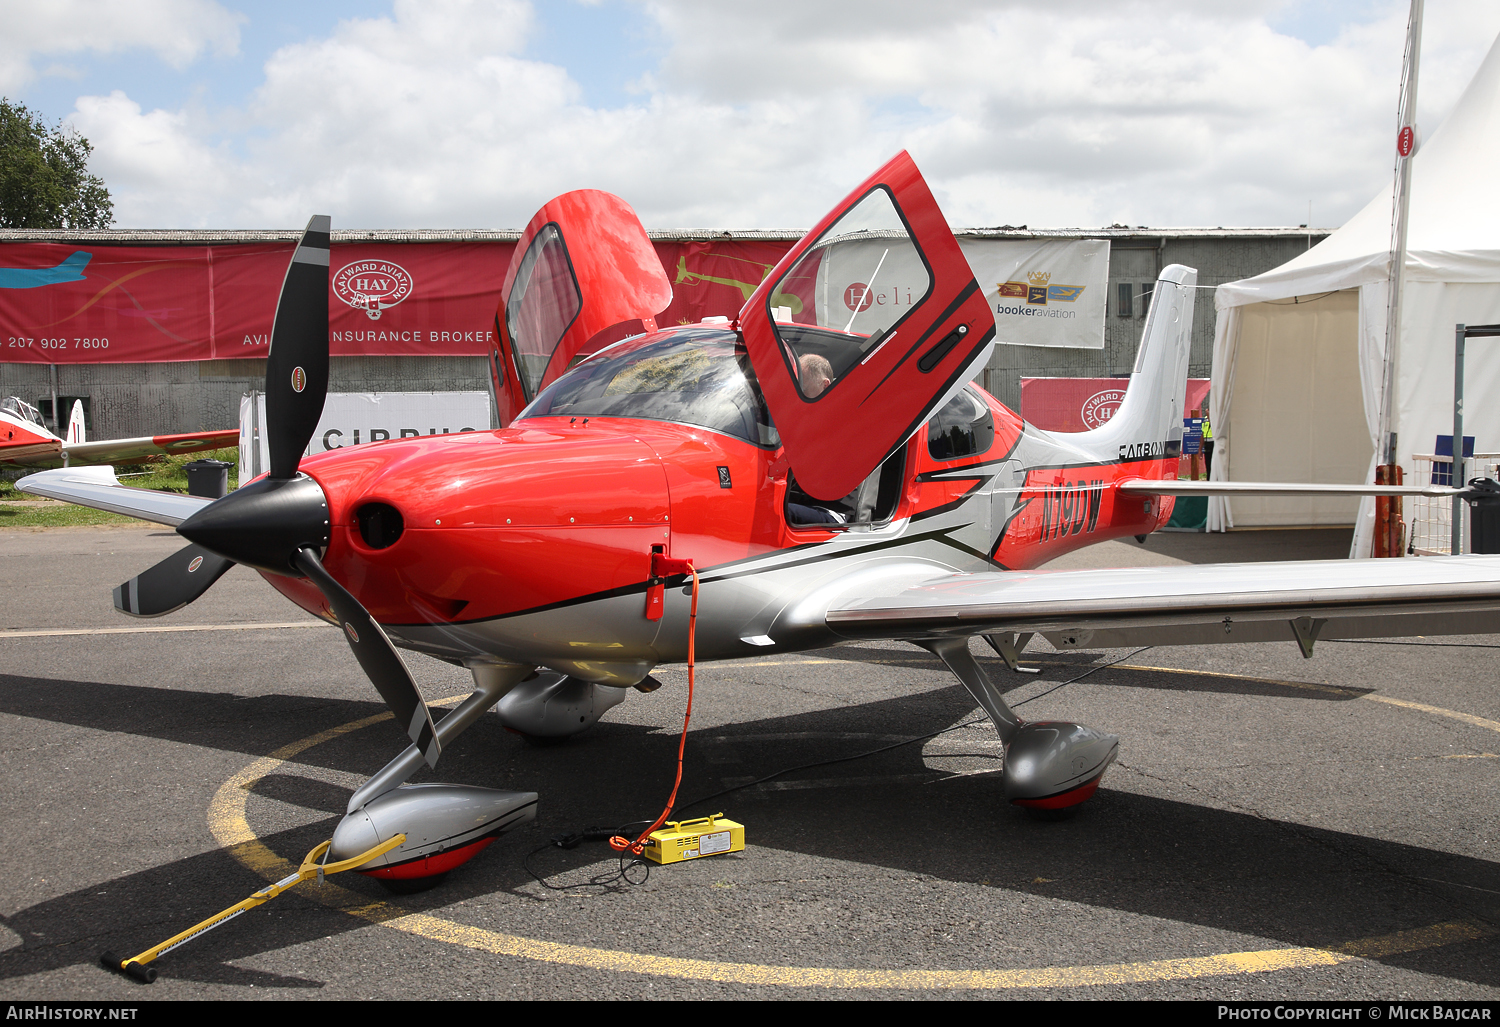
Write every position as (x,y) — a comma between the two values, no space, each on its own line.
(1043,293)
(90,303)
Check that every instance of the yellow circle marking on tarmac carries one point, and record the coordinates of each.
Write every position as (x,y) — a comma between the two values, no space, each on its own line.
(228,821)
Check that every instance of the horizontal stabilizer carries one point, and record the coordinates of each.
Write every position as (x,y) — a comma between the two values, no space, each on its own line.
(97,487)
(1169,487)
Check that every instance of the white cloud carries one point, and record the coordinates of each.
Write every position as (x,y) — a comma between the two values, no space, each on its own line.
(177,31)
(1075,113)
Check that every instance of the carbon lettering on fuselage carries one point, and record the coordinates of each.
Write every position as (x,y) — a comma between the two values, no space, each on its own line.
(1071,509)
(1151,450)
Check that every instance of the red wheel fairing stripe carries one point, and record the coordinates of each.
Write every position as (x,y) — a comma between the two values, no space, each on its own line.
(429,866)
(1063,800)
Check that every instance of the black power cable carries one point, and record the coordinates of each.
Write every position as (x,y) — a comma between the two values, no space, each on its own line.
(572,841)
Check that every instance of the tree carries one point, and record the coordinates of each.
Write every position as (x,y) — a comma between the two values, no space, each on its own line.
(44,179)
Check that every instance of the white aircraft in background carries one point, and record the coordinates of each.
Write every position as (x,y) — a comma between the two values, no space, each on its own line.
(26,442)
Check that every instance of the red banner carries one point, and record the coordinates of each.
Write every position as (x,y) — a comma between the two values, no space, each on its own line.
(714,278)
(88,304)
(1082,404)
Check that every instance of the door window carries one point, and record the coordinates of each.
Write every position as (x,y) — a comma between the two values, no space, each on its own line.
(543,301)
(856,282)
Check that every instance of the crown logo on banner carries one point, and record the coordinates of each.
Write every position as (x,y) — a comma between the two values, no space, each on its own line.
(1039,277)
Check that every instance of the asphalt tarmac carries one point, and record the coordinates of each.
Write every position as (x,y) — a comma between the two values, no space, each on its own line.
(1275,828)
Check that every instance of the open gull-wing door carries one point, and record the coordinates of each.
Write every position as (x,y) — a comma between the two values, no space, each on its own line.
(889,320)
(584,275)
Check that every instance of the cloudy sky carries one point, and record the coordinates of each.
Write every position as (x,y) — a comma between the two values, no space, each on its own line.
(472,113)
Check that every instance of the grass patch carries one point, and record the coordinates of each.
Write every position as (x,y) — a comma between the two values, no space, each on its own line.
(49,514)
(169,474)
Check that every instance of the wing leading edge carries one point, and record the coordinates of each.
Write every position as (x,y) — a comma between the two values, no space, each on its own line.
(117,451)
(1198,605)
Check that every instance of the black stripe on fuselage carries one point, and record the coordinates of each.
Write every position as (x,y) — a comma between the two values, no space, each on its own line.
(716,573)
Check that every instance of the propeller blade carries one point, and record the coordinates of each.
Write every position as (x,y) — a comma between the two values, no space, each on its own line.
(381,663)
(171,584)
(297,367)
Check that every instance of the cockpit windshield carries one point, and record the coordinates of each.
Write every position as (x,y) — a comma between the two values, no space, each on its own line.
(18,407)
(696,376)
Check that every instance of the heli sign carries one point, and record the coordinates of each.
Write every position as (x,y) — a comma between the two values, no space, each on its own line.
(1047,293)
(359,418)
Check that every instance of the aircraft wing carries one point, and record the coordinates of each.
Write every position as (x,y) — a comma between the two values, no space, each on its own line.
(123,451)
(1171,487)
(97,487)
(1192,605)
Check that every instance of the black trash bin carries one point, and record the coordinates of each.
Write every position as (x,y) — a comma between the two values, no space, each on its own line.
(208,478)
(1484,515)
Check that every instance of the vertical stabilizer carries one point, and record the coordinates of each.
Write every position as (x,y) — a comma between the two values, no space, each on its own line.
(1151,414)
(75,423)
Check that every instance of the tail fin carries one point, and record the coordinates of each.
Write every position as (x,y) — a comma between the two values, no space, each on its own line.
(1151,414)
(75,422)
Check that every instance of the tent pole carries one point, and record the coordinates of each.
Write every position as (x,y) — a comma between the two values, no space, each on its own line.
(1406,119)
(1388,512)
(1456,477)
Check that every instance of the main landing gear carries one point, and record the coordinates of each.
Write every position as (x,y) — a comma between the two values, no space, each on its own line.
(1050,766)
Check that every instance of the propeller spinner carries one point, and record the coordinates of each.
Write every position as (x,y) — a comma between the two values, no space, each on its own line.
(279,523)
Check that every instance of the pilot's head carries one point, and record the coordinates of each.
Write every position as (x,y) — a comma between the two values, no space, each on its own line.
(815,374)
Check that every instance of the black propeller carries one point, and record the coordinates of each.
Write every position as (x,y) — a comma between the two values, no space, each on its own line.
(279,523)
(297,366)
(171,584)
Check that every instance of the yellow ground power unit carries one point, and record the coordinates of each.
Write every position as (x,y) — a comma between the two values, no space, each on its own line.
(690,839)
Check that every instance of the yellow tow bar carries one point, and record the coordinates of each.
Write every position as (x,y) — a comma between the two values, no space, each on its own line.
(138,966)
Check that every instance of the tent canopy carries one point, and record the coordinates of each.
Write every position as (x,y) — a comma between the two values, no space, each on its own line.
(1314,347)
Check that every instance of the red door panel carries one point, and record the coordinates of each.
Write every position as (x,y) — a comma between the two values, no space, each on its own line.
(863,328)
(583,266)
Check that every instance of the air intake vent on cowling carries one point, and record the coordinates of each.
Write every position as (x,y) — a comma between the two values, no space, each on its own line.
(380,524)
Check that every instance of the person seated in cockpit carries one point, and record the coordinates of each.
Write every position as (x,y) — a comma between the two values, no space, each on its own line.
(814,374)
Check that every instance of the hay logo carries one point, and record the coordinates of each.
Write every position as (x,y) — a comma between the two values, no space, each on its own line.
(373,286)
(349,630)
(1038,290)
(197,562)
(299,379)
(1100,407)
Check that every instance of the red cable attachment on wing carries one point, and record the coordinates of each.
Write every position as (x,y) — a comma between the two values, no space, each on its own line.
(661,567)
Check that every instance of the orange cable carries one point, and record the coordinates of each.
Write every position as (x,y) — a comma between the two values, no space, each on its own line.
(618,843)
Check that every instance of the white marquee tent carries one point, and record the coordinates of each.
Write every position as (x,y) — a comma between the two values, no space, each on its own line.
(1298,351)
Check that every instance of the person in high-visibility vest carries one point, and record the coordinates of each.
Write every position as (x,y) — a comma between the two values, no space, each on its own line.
(1208,443)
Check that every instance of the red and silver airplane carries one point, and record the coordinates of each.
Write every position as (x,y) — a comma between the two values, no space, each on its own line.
(26,442)
(822,461)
